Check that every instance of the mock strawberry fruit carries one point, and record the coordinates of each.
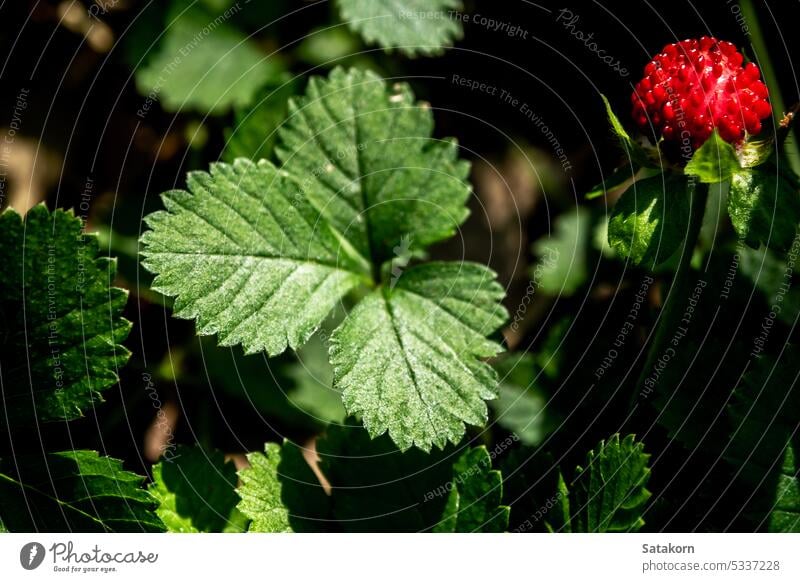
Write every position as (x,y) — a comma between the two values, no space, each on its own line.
(695,86)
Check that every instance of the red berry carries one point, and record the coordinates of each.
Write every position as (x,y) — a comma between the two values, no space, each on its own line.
(694,86)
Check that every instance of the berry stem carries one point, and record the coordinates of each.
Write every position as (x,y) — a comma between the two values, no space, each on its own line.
(792,149)
(670,313)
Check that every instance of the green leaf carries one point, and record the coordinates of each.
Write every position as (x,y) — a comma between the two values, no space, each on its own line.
(365,157)
(714,161)
(561,268)
(785,514)
(313,377)
(650,220)
(61,320)
(764,208)
(559,519)
(764,440)
(616,179)
(535,490)
(770,274)
(203,63)
(635,152)
(260,256)
(285,392)
(412,26)
(375,487)
(609,493)
(255,128)
(520,406)
(372,487)
(325,45)
(76,491)
(475,502)
(409,360)
(616,124)
(247,257)
(195,490)
(280,493)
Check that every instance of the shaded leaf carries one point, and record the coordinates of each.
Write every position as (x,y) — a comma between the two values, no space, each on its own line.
(475,502)
(280,493)
(373,487)
(195,490)
(609,493)
(60,320)
(255,127)
(74,491)
(562,269)
(764,441)
(618,177)
(203,62)
(520,406)
(764,208)
(411,26)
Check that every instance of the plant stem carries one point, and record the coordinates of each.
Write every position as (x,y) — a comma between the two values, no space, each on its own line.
(792,149)
(677,291)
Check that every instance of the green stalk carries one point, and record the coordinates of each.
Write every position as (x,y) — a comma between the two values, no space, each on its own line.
(671,313)
(791,147)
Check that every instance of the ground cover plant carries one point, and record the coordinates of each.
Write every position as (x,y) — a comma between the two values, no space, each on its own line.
(381,266)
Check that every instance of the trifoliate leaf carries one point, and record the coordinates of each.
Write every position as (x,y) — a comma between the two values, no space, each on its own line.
(609,493)
(365,157)
(203,63)
(280,493)
(247,257)
(475,502)
(763,445)
(714,161)
(520,406)
(60,320)
(650,220)
(195,490)
(74,491)
(255,127)
(561,268)
(409,359)
(764,208)
(260,256)
(412,26)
